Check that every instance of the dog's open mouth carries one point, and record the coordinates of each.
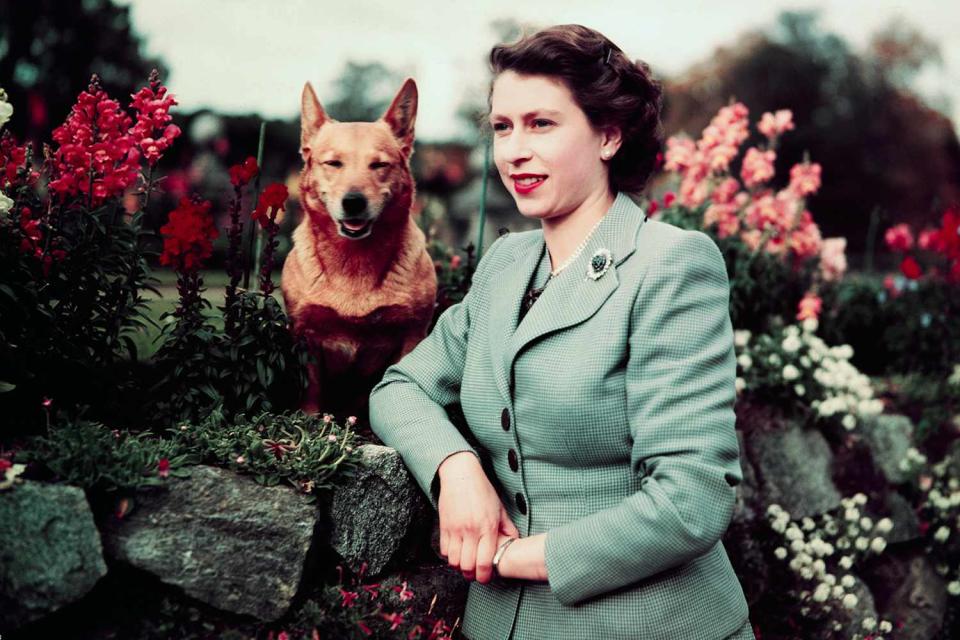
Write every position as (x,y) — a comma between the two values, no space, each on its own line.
(355,229)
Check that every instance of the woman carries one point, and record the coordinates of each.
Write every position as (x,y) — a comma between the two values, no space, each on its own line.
(593,360)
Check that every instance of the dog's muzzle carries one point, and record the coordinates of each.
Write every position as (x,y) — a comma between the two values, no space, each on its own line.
(356,222)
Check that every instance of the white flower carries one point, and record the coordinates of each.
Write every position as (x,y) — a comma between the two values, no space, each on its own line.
(878,545)
(954,378)
(852,514)
(806,573)
(849,601)
(5,203)
(790,372)
(953,587)
(846,562)
(6,109)
(837,591)
(884,525)
(741,338)
(885,626)
(821,593)
(810,325)
(869,623)
(860,498)
(861,543)
(847,581)
(745,361)
(799,389)
(942,534)
(740,384)
(848,422)
(780,552)
(791,344)
(805,362)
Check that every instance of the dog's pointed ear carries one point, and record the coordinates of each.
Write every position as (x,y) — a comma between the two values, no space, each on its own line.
(312,117)
(402,114)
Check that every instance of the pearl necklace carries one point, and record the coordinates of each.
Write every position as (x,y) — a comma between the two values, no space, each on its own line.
(576,252)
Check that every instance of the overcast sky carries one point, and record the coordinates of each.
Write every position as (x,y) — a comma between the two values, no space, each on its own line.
(242,56)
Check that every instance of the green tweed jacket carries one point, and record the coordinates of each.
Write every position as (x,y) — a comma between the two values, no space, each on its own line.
(605,419)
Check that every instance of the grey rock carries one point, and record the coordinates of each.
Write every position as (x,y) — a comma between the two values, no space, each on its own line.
(50,550)
(438,590)
(910,590)
(793,465)
(221,537)
(905,524)
(889,436)
(375,514)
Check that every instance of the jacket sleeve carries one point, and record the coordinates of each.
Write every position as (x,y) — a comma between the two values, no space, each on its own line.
(407,407)
(680,394)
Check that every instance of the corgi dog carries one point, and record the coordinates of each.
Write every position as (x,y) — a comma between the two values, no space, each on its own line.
(358,283)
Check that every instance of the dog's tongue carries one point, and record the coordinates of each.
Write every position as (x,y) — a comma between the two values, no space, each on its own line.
(354,226)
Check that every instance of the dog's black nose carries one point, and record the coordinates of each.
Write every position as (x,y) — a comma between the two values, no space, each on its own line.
(354,203)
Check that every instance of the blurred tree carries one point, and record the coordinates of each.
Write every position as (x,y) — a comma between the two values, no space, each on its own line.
(49,49)
(362,92)
(880,145)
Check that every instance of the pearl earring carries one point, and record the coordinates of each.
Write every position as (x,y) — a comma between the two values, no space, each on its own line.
(606,155)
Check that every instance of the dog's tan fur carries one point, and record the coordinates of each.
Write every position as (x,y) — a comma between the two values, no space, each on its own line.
(361,303)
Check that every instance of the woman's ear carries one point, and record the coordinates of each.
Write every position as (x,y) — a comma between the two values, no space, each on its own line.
(611,139)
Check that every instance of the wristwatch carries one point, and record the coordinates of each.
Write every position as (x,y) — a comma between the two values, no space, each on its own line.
(499,554)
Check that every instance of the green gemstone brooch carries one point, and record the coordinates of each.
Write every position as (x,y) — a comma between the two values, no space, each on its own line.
(599,263)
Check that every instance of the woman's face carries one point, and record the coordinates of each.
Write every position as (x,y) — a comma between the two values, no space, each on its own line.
(539,129)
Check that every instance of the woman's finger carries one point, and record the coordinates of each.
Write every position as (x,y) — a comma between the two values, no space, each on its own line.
(484,564)
(453,550)
(506,524)
(468,555)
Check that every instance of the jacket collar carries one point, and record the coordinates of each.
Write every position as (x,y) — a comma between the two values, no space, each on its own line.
(569,299)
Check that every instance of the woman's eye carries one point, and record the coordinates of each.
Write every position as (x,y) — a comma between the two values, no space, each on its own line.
(542,120)
(496,127)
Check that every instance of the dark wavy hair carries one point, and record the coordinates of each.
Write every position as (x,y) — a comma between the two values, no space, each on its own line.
(607,86)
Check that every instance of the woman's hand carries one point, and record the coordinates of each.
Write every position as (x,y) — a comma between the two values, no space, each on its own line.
(472,518)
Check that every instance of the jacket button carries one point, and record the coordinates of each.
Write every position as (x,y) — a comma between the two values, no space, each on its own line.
(512,458)
(521,503)
(505,419)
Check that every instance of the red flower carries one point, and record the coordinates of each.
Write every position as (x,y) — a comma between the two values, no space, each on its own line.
(272,200)
(809,306)
(163,468)
(395,619)
(5,464)
(652,207)
(241,174)
(152,132)
(668,198)
(364,627)
(96,135)
(348,598)
(188,236)
(899,237)
(455,262)
(910,268)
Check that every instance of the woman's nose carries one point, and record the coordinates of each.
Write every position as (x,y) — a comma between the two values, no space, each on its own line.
(515,147)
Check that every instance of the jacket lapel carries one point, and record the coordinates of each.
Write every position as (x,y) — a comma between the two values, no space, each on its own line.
(569,299)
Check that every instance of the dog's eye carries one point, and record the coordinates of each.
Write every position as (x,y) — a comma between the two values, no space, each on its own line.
(334,163)
(379,165)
